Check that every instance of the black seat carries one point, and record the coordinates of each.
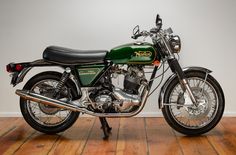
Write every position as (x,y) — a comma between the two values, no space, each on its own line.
(71,56)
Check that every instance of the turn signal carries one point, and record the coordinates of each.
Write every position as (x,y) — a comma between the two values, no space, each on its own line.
(156,63)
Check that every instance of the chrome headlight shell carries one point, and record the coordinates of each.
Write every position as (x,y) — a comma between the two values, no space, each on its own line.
(175,43)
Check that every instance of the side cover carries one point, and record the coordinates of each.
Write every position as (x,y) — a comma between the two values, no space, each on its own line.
(89,74)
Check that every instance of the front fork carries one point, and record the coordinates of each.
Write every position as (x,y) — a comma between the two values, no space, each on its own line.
(175,68)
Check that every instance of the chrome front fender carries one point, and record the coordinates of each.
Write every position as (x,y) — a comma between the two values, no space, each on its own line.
(172,77)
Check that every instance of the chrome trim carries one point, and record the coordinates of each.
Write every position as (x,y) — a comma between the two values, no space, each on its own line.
(195,68)
(121,95)
(36,63)
(69,64)
(28,95)
(75,81)
(138,43)
(84,100)
(204,83)
(68,70)
(174,104)
(190,93)
(127,100)
(171,78)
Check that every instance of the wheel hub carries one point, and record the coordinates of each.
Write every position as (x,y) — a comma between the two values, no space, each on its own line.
(47,109)
(202,102)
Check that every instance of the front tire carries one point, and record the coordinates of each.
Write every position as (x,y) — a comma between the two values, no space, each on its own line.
(47,119)
(189,120)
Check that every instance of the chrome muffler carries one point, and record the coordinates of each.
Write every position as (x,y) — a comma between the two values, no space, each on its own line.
(29,95)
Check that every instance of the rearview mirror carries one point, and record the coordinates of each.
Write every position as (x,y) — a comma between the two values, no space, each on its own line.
(136,30)
(158,21)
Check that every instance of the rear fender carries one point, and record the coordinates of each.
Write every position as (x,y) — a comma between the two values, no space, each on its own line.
(172,77)
(18,77)
(75,89)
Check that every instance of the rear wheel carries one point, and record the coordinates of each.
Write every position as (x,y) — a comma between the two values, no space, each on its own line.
(45,118)
(192,120)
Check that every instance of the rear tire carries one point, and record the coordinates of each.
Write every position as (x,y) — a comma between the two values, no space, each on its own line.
(35,122)
(186,127)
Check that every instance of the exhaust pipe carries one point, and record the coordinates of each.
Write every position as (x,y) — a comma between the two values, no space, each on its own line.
(28,95)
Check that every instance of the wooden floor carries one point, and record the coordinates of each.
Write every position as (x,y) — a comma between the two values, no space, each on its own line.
(130,136)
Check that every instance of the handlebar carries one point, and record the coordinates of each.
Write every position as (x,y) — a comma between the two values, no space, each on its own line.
(152,31)
(143,33)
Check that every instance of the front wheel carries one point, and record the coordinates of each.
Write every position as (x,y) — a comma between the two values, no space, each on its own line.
(194,120)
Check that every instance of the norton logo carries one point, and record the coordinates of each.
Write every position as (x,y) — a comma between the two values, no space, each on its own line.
(143,54)
(87,72)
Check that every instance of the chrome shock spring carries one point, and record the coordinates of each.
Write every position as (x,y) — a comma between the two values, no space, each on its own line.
(61,83)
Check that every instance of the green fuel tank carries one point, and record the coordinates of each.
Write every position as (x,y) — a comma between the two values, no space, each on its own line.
(133,53)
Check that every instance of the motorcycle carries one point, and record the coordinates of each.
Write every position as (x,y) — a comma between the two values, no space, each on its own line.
(191,99)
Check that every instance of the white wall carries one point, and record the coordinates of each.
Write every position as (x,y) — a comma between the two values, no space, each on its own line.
(207,29)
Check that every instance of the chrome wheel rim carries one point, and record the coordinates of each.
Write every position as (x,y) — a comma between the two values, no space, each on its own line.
(193,117)
(47,115)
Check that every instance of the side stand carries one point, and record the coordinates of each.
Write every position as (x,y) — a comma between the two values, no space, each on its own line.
(105,127)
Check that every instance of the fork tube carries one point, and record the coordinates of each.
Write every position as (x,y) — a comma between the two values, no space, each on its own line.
(175,68)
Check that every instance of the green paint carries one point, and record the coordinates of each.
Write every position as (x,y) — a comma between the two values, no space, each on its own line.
(132,54)
(89,73)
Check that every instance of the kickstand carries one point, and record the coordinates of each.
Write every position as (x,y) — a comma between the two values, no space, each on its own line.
(105,127)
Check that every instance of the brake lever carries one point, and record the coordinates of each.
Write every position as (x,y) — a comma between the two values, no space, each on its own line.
(136,36)
(143,33)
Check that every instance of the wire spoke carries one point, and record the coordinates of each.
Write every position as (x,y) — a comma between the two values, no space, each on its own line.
(43,114)
(188,116)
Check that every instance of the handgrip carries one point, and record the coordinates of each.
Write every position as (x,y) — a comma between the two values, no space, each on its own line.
(136,36)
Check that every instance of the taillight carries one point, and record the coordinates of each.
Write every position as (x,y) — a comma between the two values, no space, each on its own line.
(14,67)
(18,67)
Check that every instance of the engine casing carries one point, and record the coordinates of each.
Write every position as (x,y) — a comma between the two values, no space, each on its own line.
(133,79)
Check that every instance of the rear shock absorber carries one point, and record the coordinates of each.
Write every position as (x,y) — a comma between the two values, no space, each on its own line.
(61,83)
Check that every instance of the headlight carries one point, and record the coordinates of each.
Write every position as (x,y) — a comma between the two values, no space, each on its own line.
(175,43)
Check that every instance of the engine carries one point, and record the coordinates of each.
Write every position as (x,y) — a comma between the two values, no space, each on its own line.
(133,79)
(108,98)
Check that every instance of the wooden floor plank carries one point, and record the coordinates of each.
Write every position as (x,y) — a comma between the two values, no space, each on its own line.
(96,145)
(73,140)
(198,145)
(129,136)
(222,137)
(161,138)
(37,144)
(8,124)
(132,137)
(16,137)
(229,123)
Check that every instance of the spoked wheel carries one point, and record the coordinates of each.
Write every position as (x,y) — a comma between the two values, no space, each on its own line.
(46,118)
(187,118)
